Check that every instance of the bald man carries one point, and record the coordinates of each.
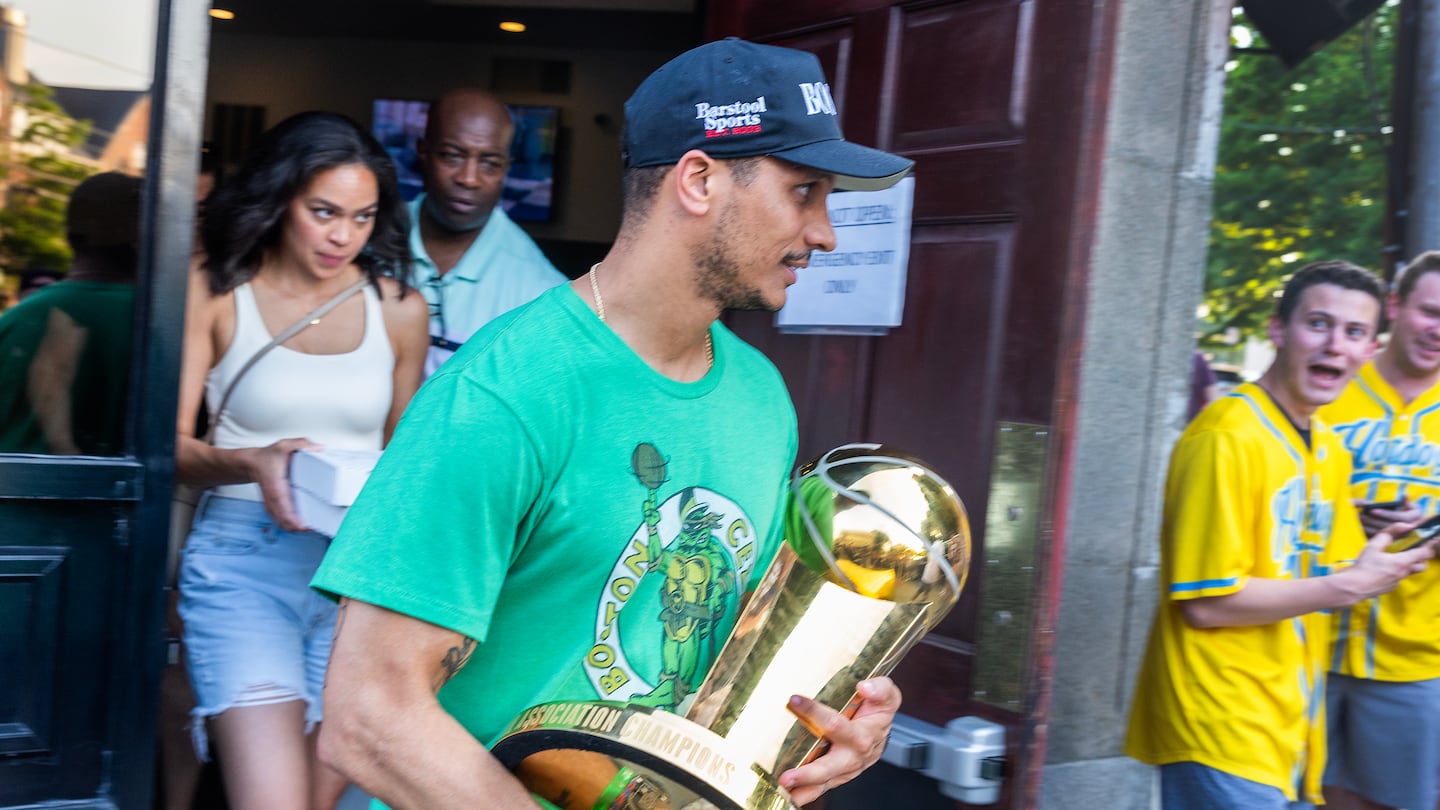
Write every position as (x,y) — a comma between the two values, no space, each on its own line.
(472,262)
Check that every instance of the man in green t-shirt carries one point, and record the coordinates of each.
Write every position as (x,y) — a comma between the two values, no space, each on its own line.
(574,505)
(65,348)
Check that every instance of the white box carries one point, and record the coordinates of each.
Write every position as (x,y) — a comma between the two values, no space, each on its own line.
(325,482)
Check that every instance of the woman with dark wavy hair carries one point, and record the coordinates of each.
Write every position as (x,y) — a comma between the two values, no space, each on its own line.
(312,212)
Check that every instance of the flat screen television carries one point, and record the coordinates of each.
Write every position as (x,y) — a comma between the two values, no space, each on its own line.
(529,185)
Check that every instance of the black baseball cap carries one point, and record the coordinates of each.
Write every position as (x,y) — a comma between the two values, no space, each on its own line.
(738,99)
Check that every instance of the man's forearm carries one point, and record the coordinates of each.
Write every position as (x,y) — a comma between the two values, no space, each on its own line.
(417,757)
(1266,601)
(384,727)
(51,375)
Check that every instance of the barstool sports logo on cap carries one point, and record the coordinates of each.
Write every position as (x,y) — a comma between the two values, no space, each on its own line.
(699,548)
(745,117)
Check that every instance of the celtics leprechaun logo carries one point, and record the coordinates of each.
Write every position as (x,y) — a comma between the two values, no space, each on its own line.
(670,597)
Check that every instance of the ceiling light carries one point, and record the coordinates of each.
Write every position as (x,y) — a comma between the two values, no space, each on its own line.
(222,14)
(513,27)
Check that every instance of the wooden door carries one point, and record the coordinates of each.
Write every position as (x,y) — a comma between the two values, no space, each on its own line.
(82,537)
(995,102)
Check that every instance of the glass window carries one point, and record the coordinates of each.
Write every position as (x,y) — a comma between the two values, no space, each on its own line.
(75,83)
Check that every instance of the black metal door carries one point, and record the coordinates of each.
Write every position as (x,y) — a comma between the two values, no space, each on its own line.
(82,537)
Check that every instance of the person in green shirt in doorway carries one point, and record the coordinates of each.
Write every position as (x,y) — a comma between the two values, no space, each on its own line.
(65,349)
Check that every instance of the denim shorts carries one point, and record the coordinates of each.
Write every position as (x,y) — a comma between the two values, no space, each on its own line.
(1385,740)
(255,633)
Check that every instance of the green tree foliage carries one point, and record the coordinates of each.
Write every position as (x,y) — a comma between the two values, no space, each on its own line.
(1301,173)
(40,173)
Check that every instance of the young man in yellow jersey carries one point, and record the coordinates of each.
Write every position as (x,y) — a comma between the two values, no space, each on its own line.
(1384,684)
(1258,535)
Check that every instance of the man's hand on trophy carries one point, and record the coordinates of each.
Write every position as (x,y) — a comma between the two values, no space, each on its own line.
(855,741)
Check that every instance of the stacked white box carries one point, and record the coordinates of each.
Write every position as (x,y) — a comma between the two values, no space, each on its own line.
(325,482)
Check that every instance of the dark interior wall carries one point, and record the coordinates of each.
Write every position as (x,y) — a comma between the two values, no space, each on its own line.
(289,74)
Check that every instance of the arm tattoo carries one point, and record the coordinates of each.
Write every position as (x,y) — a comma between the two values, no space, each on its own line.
(340,616)
(339,623)
(456,658)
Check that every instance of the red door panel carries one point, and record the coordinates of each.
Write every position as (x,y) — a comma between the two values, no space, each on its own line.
(974,184)
(958,80)
(932,377)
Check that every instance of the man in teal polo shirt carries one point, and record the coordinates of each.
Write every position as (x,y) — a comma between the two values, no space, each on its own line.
(472,262)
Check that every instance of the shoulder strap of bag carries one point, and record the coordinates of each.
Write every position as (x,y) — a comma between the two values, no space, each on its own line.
(291,331)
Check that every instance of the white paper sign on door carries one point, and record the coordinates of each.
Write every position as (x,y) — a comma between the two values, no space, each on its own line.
(860,286)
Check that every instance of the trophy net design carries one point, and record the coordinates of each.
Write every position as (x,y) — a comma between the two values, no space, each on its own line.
(876,552)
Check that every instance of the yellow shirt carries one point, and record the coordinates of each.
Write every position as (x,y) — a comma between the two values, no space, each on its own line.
(1396,453)
(1244,498)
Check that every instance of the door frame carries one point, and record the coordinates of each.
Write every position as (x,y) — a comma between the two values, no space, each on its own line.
(182,46)
(140,483)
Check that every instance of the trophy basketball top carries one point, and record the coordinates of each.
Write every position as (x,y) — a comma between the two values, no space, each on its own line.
(880,523)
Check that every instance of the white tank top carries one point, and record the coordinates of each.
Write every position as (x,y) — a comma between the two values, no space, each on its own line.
(339,401)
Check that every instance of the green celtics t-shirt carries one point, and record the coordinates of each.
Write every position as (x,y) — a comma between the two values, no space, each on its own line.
(590,522)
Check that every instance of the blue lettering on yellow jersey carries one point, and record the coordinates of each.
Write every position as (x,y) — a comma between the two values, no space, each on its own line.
(1396,449)
(1246,498)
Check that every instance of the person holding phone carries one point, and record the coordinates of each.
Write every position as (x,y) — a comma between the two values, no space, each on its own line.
(1259,539)
(1384,685)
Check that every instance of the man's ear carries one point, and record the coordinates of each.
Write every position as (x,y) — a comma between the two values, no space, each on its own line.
(1276,328)
(694,179)
(1392,306)
(422,149)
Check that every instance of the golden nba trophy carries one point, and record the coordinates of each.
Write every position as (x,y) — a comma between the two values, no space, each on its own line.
(877,547)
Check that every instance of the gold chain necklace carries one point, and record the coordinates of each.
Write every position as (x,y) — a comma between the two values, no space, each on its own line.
(600,310)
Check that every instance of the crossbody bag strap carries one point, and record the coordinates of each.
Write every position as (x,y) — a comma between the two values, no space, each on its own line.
(290,332)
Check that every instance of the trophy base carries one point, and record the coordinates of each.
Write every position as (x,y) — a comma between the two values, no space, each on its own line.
(694,767)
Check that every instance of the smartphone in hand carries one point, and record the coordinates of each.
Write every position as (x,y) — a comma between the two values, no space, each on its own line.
(1375,505)
(1420,535)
